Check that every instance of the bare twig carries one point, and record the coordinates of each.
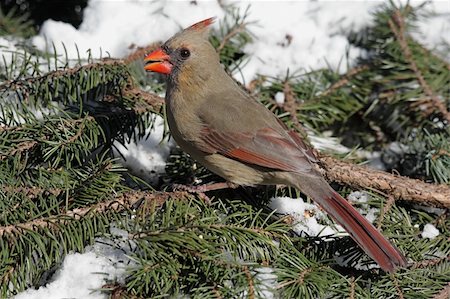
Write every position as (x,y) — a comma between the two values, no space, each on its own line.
(399,187)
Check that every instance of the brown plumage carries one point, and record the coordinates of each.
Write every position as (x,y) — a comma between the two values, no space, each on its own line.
(226,130)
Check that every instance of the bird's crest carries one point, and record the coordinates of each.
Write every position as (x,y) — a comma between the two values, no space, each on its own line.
(200,26)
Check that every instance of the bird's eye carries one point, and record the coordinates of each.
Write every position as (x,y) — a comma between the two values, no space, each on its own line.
(185,53)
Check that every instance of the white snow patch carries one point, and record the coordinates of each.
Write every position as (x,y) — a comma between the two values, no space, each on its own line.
(290,35)
(305,216)
(268,281)
(306,35)
(430,231)
(81,276)
(7,49)
(111,27)
(147,157)
(433,32)
(326,142)
(363,197)
(279,98)
(358,196)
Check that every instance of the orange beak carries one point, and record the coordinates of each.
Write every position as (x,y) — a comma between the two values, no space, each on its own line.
(158,61)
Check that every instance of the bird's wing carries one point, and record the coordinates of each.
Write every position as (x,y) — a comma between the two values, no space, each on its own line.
(265,147)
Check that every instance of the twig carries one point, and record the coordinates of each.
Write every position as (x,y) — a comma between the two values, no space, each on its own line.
(401,188)
(429,263)
(118,291)
(17,84)
(397,287)
(345,79)
(291,106)
(21,147)
(230,35)
(444,294)
(251,286)
(399,32)
(123,201)
(30,191)
(352,288)
(386,208)
(140,52)
(153,101)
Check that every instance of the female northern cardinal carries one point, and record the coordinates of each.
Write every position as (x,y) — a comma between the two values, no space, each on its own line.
(231,134)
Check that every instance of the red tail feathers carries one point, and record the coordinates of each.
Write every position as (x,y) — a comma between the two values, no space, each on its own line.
(363,232)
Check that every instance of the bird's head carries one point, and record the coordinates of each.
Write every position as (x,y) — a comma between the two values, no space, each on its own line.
(188,52)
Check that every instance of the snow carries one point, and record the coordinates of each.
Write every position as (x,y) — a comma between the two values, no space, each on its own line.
(306,217)
(291,35)
(279,98)
(326,142)
(81,276)
(110,27)
(7,47)
(267,280)
(434,31)
(147,157)
(430,231)
(363,197)
(105,261)
(311,34)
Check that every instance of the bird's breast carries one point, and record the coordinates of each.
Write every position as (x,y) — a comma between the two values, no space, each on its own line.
(184,126)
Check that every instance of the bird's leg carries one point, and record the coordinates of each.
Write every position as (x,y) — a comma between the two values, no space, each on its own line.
(201,189)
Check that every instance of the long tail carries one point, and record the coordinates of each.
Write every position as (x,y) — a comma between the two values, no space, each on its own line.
(361,230)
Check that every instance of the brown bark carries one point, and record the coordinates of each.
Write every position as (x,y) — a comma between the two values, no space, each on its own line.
(401,188)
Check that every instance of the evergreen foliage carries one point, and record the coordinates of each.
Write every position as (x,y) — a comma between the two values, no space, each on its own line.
(61,186)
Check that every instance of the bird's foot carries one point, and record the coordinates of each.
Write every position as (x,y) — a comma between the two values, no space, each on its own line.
(201,189)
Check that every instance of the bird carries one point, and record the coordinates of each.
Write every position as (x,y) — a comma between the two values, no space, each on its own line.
(220,125)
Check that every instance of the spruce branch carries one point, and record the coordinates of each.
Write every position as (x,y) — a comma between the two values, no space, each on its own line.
(126,200)
(384,211)
(226,39)
(154,103)
(397,25)
(139,53)
(345,79)
(290,105)
(18,84)
(399,187)
(397,287)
